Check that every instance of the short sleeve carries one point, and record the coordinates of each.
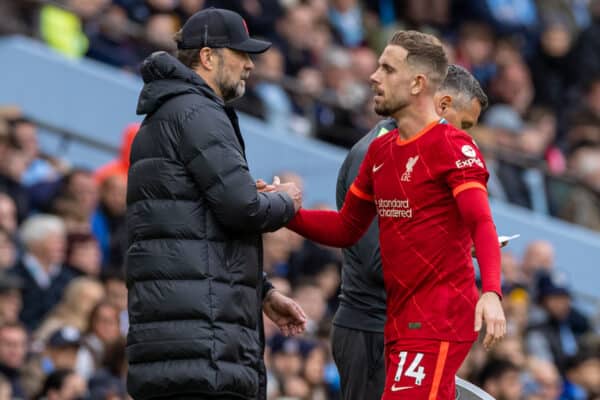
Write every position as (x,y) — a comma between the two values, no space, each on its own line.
(362,187)
(462,164)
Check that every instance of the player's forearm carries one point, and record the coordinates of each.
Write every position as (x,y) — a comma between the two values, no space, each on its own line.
(332,228)
(475,210)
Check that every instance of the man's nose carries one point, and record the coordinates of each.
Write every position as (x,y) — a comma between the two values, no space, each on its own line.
(249,63)
(374,78)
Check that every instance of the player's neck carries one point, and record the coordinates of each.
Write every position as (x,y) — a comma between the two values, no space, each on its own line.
(412,119)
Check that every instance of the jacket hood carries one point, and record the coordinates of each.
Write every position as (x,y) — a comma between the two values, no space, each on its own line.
(166,77)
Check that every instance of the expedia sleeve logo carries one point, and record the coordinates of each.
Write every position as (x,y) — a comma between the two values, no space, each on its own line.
(470,152)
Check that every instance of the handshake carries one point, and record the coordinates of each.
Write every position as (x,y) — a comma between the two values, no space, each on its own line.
(290,188)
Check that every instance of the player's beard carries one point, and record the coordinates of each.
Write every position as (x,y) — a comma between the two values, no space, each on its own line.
(385,109)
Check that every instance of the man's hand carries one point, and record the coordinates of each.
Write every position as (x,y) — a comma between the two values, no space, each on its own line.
(291,189)
(263,186)
(489,309)
(285,313)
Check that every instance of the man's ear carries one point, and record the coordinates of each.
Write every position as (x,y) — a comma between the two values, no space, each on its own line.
(207,58)
(442,103)
(445,102)
(418,84)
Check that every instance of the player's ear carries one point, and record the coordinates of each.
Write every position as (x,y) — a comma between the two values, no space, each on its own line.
(418,84)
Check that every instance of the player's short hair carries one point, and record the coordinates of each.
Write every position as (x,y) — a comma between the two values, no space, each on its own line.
(424,51)
(461,82)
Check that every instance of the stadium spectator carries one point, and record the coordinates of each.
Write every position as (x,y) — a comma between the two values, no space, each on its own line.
(278,105)
(37,169)
(582,206)
(346,18)
(475,50)
(5,389)
(13,350)
(585,59)
(116,294)
(63,384)
(15,17)
(11,302)
(41,267)
(103,330)
(537,260)
(110,379)
(60,352)
(79,299)
(13,164)
(109,219)
(119,166)
(500,378)
(62,28)
(312,300)
(582,377)
(83,255)
(112,43)
(294,40)
(77,201)
(541,381)
(8,214)
(8,250)
(556,338)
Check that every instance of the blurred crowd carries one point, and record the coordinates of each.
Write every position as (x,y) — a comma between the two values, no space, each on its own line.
(63,300)
(538,60)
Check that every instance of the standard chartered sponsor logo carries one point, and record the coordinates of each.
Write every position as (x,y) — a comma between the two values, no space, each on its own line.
(394,208)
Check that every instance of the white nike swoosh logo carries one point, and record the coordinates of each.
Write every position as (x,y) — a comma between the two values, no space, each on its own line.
(399,388)
(377,167)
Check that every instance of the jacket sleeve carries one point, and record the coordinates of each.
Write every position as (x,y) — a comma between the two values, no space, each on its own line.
(267,285)
(214,157)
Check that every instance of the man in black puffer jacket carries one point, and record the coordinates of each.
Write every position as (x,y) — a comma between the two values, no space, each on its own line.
(194,219)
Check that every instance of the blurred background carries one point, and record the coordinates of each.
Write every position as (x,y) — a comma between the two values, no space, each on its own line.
(68,91)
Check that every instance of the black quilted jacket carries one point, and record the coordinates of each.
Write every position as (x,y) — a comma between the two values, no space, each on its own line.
(194,258)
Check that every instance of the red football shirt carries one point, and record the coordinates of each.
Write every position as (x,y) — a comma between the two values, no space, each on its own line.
(425,245)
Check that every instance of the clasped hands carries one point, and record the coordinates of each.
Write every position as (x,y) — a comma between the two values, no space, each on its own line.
(290,188)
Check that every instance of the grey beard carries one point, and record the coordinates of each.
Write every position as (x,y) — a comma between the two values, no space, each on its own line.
(232,92)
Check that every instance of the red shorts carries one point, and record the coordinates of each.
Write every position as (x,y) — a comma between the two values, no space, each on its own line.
(422,369)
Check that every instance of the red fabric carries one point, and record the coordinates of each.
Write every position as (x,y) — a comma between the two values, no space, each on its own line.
(475,211)
(120,166)
(332,228)
(425,242)
(423,369)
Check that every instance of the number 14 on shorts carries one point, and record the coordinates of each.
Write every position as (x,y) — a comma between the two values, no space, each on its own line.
(414,370)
